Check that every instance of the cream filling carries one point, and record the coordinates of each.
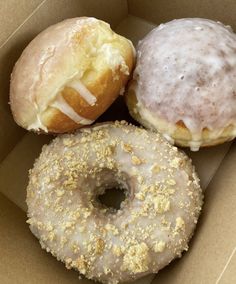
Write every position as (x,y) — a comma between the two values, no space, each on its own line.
(114,60)
(83,91)
(65,108)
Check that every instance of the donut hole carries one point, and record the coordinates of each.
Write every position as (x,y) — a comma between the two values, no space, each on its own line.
(112,198)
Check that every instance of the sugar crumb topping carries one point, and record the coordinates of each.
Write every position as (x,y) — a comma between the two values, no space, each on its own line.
(136,259)
(65,182)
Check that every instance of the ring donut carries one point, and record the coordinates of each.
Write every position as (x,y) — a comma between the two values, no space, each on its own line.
(154,222)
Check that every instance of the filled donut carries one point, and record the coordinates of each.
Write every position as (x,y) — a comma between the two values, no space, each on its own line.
(184,83)
(154,222)
(69,75)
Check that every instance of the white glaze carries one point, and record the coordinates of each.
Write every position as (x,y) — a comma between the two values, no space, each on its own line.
(186,71)
(153,225)
(45,67)
(83,91)
(65,108)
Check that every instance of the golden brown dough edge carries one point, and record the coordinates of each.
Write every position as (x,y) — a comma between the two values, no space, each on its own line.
(182,136)
(102,86)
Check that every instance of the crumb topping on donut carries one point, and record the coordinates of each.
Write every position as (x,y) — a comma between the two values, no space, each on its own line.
(135,160)
(159,246)
(136,259)
(158,216)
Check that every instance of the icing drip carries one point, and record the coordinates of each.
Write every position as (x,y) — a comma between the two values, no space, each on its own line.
(194,145)
(83,91)
(37,125)
(65,108)
(168,129)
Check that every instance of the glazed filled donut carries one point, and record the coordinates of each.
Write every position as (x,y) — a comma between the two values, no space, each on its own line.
(184,83)
(154,222)
(69,75)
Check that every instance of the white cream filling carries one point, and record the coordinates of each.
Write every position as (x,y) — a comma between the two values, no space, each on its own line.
(114,59)
(65,108)
(83,91)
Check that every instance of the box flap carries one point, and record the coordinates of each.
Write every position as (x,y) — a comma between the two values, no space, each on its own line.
(21,256)
(12,18)
(14,170)
(162,11)
(215,233)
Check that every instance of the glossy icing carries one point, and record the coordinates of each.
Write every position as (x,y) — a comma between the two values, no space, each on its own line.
(186,72)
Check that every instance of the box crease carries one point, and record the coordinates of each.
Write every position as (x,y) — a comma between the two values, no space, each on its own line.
(22,24)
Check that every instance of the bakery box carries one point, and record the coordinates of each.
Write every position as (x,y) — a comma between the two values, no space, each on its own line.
(212,255)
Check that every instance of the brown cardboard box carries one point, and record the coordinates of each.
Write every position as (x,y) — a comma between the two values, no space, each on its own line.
(212,254)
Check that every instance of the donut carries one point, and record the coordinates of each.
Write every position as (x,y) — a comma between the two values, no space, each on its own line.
(154,222)
(184,82)
(69,75)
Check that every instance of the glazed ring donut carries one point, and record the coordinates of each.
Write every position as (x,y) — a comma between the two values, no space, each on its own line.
(69,75)
(184,82)
(154,222)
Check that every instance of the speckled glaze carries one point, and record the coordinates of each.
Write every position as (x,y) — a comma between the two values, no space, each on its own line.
(186,72)
(154,223)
